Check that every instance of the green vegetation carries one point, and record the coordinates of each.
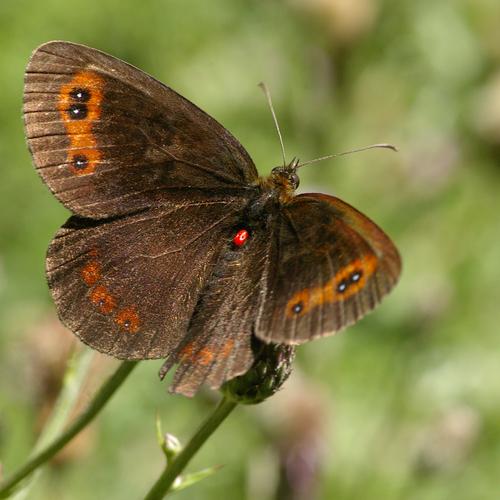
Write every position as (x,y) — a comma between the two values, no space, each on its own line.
(404,405)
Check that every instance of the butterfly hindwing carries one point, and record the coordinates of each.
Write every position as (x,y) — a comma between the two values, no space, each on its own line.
(218,344)
(108,139)
(128,286)
(333,266)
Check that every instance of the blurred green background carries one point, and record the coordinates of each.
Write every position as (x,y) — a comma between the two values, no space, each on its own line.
(402,406)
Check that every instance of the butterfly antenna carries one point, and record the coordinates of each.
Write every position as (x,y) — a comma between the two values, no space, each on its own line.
(372,146)
(264,88)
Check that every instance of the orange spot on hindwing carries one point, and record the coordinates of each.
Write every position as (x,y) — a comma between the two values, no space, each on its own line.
(205,356)
(189,354)
(101,298)
(347,282)
(80,107)
(128,319)
(227,348)
(91,272)
(187,351)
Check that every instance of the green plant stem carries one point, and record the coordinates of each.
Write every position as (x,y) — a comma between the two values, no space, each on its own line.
(74,377)
(95,406)
(172,471)
(76,372)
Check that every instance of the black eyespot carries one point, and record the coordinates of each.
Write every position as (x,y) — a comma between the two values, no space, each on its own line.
(79,94)
(297,308)
(342,287)
(77,111)
(355,276)
(80,162)
(126,323)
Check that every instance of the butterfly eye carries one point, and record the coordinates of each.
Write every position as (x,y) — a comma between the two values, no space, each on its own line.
(241,237)
(295,181)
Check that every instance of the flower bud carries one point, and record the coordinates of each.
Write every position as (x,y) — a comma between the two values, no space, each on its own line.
(271,367)
(172,445)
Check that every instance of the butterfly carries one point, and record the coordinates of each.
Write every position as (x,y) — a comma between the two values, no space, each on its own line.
(176,248)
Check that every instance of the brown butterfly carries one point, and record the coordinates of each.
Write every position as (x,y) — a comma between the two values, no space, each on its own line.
(177,249)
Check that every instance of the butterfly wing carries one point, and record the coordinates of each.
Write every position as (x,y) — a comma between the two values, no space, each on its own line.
(333,266)
(218,345)
(157,186)
(129,286)
(108,139)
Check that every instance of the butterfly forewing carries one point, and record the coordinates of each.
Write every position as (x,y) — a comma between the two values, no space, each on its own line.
(333,266)
(109,139)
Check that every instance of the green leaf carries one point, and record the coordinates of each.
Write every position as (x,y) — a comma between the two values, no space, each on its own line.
(195,477)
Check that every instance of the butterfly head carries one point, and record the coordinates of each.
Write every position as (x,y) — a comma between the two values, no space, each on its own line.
(285,178)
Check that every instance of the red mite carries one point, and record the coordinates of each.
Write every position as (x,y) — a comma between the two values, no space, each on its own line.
(241,237)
